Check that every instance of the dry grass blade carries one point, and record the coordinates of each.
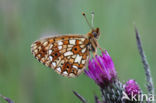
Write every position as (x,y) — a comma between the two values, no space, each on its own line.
(80,97)
(150,86)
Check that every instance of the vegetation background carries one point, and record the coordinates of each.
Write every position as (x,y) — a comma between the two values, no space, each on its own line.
(25,80)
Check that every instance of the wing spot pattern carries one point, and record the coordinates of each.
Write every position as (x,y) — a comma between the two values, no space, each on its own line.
(67,54)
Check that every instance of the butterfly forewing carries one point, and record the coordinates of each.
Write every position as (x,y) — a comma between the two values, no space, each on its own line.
(67,55)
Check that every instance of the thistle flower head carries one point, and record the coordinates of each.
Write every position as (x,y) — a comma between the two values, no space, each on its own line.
(131,87)
(101,69)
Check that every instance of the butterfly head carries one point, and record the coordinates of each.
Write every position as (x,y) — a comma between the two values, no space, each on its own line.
(95,33)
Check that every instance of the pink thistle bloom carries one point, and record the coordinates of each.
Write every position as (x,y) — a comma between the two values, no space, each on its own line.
(101,69)
(131,87)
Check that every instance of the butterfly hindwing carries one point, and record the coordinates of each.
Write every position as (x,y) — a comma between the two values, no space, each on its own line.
(67,55)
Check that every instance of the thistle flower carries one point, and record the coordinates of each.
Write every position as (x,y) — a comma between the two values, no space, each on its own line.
(102,70)
(131,87)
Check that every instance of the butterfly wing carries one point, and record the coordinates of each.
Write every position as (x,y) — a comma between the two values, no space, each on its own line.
(67,55)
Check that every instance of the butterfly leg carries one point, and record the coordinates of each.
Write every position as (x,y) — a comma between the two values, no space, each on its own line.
(100,47)
(94,50)
(95,45)
(94,54)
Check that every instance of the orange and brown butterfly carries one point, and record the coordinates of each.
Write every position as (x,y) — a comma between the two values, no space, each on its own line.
(68,55)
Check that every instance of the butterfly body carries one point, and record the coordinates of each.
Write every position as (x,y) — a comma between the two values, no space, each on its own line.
(68,55)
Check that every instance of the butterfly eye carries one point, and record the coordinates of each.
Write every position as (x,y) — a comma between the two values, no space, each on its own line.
(94,34)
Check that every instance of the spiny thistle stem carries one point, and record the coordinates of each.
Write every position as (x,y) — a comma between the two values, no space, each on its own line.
(102,94)
(80,97)
(150,86)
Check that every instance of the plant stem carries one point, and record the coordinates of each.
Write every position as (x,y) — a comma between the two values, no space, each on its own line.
(80,97)
(149,84)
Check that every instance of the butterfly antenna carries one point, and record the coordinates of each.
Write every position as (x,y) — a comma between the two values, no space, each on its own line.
(84,15)
(92,14)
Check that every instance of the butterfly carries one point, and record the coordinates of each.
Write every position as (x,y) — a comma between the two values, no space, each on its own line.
(68,54)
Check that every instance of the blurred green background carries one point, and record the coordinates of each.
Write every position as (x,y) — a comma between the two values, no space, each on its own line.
(25,80)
